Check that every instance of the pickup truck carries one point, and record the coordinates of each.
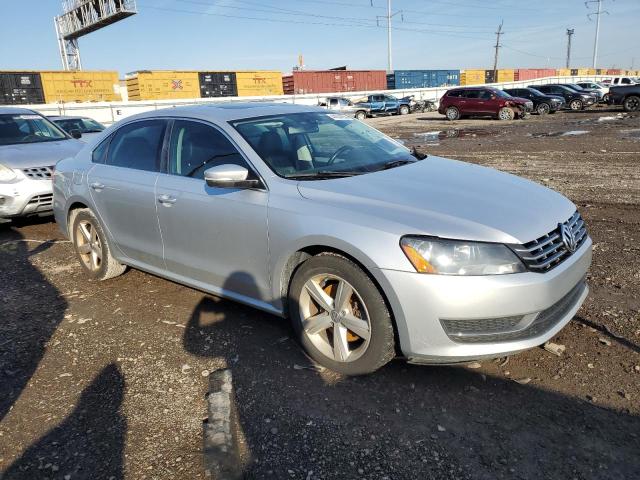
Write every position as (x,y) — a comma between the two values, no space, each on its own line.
(346,106)
(380,104)
(628,96)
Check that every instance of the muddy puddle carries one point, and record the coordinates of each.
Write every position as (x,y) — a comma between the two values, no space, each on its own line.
(436,136)
(568,133)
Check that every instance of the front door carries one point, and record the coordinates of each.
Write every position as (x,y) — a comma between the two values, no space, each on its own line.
(214,238)
(123,191)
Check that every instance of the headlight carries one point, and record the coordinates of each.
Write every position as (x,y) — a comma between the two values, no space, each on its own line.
(6,174)
(459,257)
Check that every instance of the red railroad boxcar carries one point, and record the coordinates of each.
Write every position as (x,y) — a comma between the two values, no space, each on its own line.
(329,81)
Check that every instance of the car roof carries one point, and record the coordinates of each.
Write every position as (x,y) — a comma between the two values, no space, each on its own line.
(228,111)
(15,111)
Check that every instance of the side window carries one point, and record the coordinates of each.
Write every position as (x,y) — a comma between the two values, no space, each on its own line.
(195,147)
(472,94)
(333,102)
(484,95)
(138,145)
(626,81)
(98,155)
(455,93)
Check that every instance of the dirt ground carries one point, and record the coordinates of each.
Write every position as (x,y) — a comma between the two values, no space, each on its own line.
(108,380)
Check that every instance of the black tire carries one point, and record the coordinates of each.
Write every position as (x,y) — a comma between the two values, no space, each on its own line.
(543,109)
(361,115)
(403,110)
(452,113)
(109,267)
(631,103)
(381,347)
(576,105)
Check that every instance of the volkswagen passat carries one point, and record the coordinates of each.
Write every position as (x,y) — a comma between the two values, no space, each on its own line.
(371,249)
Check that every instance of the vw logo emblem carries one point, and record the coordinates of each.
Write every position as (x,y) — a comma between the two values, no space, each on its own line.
(568,237)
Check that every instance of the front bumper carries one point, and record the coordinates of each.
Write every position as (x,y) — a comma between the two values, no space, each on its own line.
(26,197)
(541,304)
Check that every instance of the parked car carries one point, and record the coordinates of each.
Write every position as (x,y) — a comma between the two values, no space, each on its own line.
(78,127)
(30,146)
(483,101)
(596,94)
(595,86)
(628,96)
(371,249)
(379,104)
(346,106)
(574,99)
(542,104)
(618,81)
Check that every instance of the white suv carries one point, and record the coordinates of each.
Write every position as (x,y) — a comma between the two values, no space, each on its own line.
(30,146)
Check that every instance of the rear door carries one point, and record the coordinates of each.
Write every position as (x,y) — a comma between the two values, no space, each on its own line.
(123,190)
(470,102)
(214,238)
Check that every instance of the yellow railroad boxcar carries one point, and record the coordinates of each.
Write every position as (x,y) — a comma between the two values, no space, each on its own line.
(256,83)
(81,86)
(162,85)
(472,77)
(506,75)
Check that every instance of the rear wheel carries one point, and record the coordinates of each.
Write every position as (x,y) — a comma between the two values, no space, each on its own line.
(506,113)
(631,104)
(403,110)
(543,109)
(340,316)
(92,247)
(452,113)
(361,115)
(576,105)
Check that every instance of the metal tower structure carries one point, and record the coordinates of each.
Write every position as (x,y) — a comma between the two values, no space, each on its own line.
(81,17)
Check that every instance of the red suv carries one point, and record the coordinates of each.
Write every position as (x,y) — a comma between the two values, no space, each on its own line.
(483,101)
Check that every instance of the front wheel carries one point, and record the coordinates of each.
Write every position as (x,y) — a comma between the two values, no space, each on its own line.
(506,113)
(576,105)
(92,247)
(543,109)
(361,115)
(631,104)
(340,316)
(403,110)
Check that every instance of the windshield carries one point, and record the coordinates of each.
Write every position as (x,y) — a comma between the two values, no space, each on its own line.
(577,88)
(85,125)
(537,93)
(27,128)
(312,144)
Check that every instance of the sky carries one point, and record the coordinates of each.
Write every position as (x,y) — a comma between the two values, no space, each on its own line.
(270,34)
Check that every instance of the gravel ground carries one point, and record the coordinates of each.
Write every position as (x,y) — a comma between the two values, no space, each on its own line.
(108,380)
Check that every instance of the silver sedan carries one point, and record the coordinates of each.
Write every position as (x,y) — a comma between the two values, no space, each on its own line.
(371,249)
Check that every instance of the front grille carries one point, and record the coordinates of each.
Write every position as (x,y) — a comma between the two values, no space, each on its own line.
(483,330)
(549,251)
(41,201)
(38,173)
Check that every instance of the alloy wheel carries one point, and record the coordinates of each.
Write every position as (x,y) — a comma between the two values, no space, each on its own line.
(335,318)
(632,104)
(543,109)
(89,245)
(576,105)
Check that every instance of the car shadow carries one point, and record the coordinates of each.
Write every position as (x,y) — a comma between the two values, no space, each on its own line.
(404,421)
(89,443)
(25,328)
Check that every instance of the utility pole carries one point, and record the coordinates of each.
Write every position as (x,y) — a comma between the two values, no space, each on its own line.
(597,14)
(495,59)
(388,17)
(569,34)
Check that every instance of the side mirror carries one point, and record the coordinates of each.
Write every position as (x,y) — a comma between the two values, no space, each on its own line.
(75,133)
(229,176)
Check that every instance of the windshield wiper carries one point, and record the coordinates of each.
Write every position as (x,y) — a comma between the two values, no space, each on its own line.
(396,163)
(321,175)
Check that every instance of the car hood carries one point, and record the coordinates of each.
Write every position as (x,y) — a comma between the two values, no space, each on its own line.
(520,100)
(445,198)
(40,154)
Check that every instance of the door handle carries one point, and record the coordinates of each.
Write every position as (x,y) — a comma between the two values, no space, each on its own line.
(97,186)
(167,200)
